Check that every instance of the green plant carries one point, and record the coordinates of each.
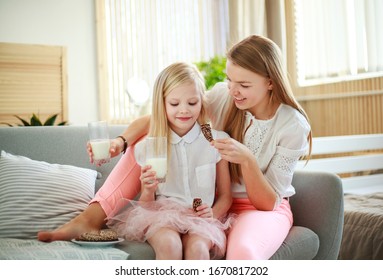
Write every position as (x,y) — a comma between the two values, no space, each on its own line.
(35,121)
(213,70)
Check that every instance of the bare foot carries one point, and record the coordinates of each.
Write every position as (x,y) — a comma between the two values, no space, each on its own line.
(68,231)
(92,219)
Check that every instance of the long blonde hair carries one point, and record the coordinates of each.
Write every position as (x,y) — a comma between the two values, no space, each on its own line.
(173,76)
(263,57)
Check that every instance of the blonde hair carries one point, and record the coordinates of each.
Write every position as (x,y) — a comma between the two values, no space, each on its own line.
(171,77)
(263,57)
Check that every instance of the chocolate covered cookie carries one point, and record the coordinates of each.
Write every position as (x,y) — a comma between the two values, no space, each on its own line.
(206,131)
(196,202)
(99,236)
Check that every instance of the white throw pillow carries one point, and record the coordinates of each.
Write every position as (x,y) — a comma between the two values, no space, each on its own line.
(36,195)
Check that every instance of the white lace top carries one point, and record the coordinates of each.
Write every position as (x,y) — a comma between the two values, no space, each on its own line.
(276,143)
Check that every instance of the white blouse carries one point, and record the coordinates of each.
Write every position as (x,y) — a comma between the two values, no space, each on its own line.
(191,168)
(277,143)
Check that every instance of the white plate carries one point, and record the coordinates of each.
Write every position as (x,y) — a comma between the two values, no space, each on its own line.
(97,244)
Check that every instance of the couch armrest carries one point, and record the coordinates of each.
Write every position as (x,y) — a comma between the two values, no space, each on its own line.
(318,205)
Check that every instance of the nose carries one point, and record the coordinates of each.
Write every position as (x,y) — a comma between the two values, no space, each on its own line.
(233,89)
(184,109)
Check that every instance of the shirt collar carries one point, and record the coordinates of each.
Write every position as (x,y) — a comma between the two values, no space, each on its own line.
(188,137)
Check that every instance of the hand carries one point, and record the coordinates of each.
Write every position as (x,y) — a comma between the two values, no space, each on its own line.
(149,180)
(204,211)
(232,150)
(116,147)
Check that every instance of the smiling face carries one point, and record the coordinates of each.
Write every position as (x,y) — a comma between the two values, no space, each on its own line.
(183,105)
(250,91)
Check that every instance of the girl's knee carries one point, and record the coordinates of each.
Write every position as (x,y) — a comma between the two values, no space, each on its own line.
(168,246)
(196,248)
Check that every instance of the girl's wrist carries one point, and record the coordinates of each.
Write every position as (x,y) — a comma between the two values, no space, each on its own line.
(124,143)
(247,162)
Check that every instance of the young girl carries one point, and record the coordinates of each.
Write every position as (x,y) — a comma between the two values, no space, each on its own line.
(164,215)
(270,132)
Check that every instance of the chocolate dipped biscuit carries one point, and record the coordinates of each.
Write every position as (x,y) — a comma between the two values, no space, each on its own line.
(196,202)
(100,236)
(206,130)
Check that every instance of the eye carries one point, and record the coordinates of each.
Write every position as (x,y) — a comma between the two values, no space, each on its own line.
(193,103)
(173,104)
(243,86)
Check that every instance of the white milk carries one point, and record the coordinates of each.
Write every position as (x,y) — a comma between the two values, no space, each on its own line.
(159,165)
(100,148)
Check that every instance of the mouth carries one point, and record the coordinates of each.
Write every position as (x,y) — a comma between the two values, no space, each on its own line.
(239,100)
(184,119)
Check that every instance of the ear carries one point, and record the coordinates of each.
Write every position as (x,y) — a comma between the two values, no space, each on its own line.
(270,85)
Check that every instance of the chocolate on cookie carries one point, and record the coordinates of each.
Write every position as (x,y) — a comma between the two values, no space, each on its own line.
(196,202)
(206,130)
(99,236)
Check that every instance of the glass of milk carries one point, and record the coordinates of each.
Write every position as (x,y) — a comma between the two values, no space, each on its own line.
(99,140)
(156,156)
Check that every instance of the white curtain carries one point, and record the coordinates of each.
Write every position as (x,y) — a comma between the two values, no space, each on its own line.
(338,38)
(144,36)
(247,17)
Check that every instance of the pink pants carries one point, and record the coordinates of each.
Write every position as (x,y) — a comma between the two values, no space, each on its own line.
(122,182)
(255,235)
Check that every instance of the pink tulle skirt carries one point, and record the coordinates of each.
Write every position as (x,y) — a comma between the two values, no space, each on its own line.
(141,220)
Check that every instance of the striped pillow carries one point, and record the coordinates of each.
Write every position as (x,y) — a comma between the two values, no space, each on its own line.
(36,195)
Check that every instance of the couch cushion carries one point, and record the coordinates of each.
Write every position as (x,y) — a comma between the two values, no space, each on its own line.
(17,249)
(137,250)
(36,195)
(300,244)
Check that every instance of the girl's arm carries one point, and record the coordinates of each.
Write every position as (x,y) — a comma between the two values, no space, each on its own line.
(136,130)
(223,197)
(260,192)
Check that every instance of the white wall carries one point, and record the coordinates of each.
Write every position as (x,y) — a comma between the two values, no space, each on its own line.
(69,23)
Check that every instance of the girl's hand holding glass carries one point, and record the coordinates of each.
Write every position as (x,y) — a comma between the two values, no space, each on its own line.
(149,183)
(116,148)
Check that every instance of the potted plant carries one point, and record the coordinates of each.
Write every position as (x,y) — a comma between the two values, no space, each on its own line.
(213,70)
(35,121)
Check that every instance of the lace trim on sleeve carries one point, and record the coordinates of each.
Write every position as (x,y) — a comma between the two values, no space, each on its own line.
(284,163)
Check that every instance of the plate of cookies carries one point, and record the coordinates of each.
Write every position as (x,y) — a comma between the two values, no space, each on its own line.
(104,237)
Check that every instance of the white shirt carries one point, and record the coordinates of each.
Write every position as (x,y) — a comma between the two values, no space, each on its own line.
(191,168)
(277,143)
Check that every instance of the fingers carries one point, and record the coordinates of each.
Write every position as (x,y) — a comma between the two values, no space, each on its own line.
(115,147)
(90,152)
(148,177)
(204,211)
(114,150)
(222,141)
(224,144)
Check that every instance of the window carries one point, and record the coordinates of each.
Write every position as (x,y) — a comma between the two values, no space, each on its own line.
(338,40)
(139,38)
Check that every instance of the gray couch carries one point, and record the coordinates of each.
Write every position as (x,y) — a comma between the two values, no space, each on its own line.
(317,205)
